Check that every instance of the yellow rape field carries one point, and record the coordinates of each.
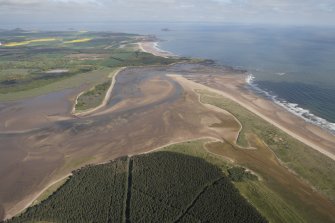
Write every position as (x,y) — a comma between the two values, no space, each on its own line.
(79,40)
(12,44)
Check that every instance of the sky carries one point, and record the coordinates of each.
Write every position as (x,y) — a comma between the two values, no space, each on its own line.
(292,12)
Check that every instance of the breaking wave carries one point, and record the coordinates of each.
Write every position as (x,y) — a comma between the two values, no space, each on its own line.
(293,107)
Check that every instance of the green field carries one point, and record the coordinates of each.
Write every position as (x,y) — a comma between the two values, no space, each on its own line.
(146,188)
(30,62)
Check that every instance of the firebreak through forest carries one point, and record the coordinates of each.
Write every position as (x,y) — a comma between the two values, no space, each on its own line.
(155,187)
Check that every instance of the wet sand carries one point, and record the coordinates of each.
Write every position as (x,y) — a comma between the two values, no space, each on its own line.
(151,47)
(147,109)
(105,100)
(34,113)
(235,88)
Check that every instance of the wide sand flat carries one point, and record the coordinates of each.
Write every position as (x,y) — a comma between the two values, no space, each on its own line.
(147,108)
(144,112)
(234,87)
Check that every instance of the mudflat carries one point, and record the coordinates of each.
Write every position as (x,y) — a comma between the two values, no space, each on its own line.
(138,118)
(148,108)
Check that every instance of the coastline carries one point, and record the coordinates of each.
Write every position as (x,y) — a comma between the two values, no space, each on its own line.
(317,137)
(152,47)
(293,108)
(234,95)
(249,101)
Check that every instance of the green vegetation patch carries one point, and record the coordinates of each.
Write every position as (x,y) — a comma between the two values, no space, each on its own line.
(88,78)
(239,174)
(27,64)
(93,97)
(49,191)
(311,165)
(269,203)
(122,58)
(93,194)
(155,187)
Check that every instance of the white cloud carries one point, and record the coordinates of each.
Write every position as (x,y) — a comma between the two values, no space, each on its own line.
(269,11)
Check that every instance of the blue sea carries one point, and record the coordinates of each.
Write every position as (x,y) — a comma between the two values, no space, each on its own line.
(294,66)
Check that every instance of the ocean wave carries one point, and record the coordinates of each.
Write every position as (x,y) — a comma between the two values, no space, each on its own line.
(157,47)
(293,107)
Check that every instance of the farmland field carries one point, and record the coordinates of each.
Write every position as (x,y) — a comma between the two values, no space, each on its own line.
(32,61)
(147,136)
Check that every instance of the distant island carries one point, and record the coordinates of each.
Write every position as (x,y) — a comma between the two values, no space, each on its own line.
(166,30)
(107,127)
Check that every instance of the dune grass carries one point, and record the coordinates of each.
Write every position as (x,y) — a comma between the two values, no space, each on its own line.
(268,203)
(308,163)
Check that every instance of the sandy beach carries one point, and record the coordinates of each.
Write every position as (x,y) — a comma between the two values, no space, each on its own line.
(234,87)
(151,47)
(164,103)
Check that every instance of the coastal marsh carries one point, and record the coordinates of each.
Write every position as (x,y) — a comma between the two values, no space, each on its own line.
(25,67)
(266,164)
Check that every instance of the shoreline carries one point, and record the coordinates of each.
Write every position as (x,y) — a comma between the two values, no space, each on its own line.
(230,96)
(293,108)
(152,47)
(103,103)
(35,197)
(320,134)
(279,123)
(69,175)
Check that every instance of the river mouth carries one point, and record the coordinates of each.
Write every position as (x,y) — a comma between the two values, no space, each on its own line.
(147,109)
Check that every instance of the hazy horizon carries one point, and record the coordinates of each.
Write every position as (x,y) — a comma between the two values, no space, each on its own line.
(273,12)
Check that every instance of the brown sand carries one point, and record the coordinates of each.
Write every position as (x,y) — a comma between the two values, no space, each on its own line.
(149,47)
(30,161)
(105,100)
(33,160)
(233,87)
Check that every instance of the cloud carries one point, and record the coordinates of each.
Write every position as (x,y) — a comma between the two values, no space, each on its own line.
(245,11)
(18,3)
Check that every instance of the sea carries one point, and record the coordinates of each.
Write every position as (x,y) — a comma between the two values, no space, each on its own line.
(292,65)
